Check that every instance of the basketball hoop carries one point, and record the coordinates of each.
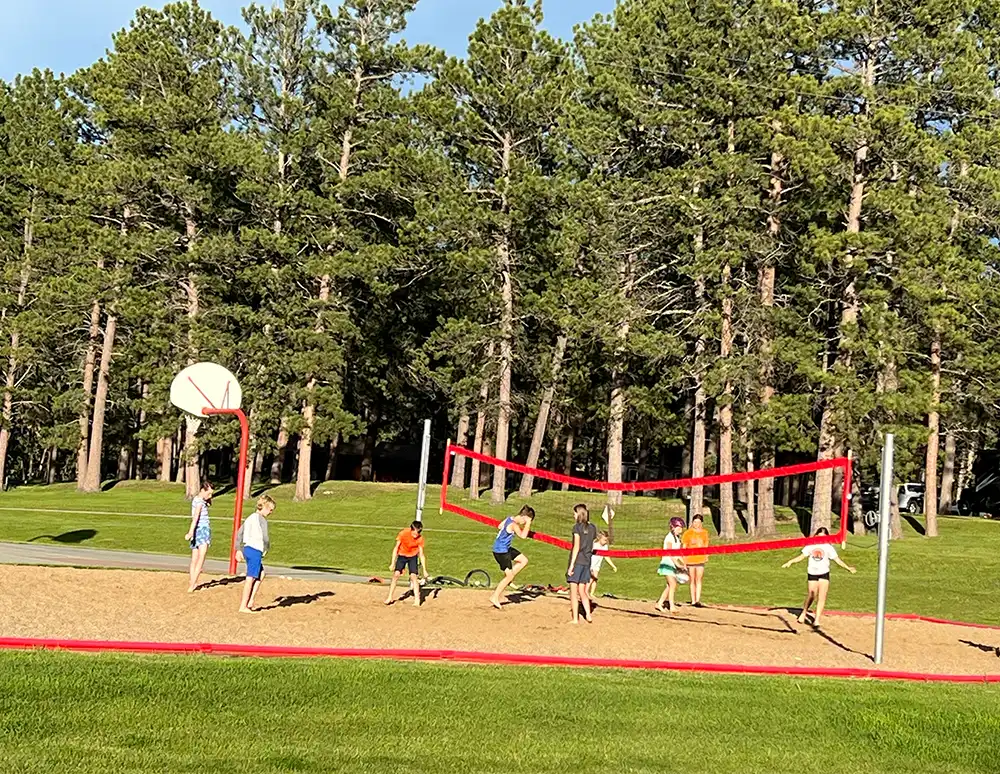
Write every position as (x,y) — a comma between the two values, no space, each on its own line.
(208,389)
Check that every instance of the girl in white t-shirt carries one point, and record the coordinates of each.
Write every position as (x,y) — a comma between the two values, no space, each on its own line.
(819,557)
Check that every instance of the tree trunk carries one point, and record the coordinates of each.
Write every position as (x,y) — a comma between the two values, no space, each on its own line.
(616,414)
(53,470)
(179,450)
(93,480)
(857,508)
(331,463)
(368,455)
(475,478)
(895,520)
(140,446)
(696,504)
(303,472)
(165,454)
(850,309)
(748,489)
(461,439)
(505,267)
(726,505)
(947,474)
(568,458)
(766,525)
(280,453)
(15,341)
(933,430)
(968,464)
(89,360)
(542,421)
(124,463)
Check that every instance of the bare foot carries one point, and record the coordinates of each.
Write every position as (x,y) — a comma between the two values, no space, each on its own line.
(389,601)
(801,619)
(496,603)
(574,620)
(660,609)
(191,589)
(416,604)
(247,610)
(588,619)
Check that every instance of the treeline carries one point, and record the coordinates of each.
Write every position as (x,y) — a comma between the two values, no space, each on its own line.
(701,235)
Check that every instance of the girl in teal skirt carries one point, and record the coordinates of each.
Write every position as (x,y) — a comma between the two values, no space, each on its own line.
(671,567)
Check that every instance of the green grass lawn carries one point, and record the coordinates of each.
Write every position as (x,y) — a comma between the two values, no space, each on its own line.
(352,526)
(89,714)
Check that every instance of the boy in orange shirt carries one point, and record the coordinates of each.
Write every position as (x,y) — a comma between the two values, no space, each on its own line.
(695,536)
(408,549)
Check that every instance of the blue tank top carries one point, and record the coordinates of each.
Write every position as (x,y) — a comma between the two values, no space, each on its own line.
(504,538)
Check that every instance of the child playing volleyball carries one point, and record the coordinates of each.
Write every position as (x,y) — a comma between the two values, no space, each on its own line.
(408,550)
(695,536)
(254,543)
(671,567)
(818,578)
(511,560)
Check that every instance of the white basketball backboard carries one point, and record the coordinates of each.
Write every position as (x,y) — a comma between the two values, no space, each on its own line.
(205,385)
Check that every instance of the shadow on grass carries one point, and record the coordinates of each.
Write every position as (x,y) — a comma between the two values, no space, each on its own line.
(312,568)
(75,537)
(301,599)
(919,528)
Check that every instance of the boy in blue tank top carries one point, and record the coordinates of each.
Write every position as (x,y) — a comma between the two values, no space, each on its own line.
(511,560)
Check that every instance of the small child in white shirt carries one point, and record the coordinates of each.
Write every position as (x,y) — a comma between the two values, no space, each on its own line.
(254,542)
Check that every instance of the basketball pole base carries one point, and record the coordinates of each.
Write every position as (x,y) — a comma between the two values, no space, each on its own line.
(240,474)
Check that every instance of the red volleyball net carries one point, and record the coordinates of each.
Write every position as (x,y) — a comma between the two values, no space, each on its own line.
(637,514)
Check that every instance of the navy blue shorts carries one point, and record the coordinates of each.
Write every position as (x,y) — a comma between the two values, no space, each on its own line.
(579,574)
(406,562)
(255,562)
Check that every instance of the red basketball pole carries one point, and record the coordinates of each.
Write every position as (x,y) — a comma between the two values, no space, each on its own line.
(240,475)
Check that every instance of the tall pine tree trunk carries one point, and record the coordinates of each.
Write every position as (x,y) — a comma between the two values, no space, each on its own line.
(933,430)
(165,454)
(748,492)
(331,463)
(542,421)
(766,525)
(93,480)
(475,479)
(505,267)
(947,473)
(850,307)
(89,362)
(461,439)
(616,414)
(192,468)
(280,453)
(968,465)
(568,458)
(696,504)
(15,340)
(726,505)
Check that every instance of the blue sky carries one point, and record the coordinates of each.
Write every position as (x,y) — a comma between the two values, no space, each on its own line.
(65,35)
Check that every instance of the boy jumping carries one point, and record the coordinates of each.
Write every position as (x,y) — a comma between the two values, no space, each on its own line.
(511,560)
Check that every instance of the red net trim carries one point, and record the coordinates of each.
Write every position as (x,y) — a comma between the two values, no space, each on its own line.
(641,486)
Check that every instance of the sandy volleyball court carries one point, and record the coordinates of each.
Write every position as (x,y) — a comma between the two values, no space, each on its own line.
(70,603)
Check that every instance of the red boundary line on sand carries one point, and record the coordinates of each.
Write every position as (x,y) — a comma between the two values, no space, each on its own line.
(473,657)
(634,486)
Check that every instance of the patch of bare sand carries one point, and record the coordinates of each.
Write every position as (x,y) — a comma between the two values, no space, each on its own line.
(67,603)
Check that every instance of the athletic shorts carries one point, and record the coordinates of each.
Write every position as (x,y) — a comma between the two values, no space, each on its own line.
(406,562)
(202,536)
(506,559)
(825,576)
(579,574)
(255,562)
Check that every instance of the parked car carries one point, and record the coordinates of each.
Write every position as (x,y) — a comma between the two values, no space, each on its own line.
(911,498)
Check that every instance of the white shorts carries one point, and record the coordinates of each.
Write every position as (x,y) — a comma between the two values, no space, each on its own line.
(595,563)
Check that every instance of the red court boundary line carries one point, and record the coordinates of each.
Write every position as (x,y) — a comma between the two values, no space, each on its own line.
(632,486)
(474,657)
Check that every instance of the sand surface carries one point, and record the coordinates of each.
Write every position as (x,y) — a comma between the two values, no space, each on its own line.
(71,603)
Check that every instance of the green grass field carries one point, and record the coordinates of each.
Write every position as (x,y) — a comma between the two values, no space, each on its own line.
(351,527)
(89,714)
(93,714)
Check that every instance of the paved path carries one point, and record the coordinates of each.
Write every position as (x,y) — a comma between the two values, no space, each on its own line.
(74,556)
